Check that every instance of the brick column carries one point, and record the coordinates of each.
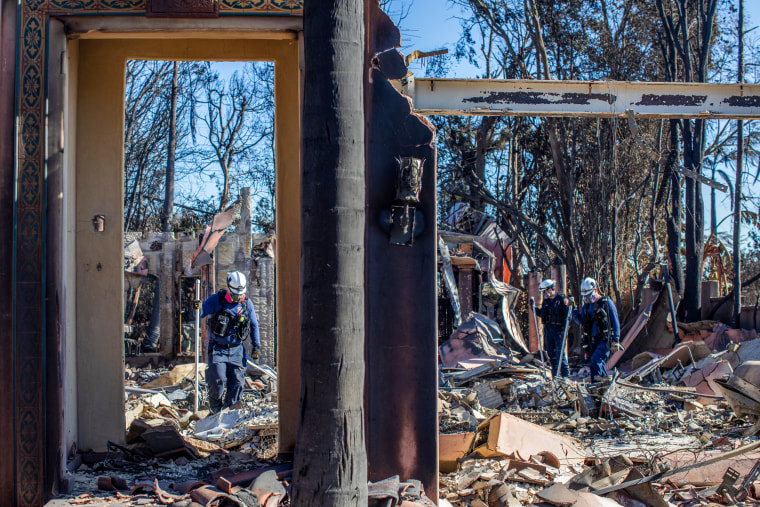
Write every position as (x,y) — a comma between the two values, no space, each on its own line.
(464,284)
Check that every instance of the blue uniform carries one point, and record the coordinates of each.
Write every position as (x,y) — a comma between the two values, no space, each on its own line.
(587,316)
(226,356)
(553,313)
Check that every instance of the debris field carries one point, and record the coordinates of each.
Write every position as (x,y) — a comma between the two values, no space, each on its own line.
(670,427)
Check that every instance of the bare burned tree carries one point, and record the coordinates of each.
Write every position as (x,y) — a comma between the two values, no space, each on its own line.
(144,138)
(153,142)
(171,155)
(232,144)
(569,185)
(231,124)
(688,29)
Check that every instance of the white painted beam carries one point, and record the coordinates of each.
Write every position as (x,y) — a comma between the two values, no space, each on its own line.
(581,98)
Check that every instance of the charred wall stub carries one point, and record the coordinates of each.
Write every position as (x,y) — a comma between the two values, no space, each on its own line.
(401,282)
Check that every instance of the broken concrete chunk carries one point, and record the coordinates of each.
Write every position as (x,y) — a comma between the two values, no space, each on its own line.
(215,424)
(488,396)
(559,495)
(133,413)
(467,480)
(507,435)
(531,475)
(157,400)
(266,485)
(451,447)
(176,375)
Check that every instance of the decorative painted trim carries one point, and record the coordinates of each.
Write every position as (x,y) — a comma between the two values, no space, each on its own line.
(29,217)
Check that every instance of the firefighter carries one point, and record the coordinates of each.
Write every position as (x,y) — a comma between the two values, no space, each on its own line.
(601,328)
(232,320)
(553,313)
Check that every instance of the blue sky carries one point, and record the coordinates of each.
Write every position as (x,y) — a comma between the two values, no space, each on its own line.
(433,24)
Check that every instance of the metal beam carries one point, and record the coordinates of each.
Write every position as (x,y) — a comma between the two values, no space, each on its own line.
(581,98)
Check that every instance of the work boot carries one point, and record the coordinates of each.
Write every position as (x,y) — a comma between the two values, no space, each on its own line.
(149,348)
(604,380)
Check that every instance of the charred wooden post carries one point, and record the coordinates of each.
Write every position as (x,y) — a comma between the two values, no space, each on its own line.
(533,282)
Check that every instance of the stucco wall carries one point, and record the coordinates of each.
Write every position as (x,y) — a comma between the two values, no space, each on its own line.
(99,191)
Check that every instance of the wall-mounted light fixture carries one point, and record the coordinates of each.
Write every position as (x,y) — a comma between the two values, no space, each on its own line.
(403,221)
(99,223)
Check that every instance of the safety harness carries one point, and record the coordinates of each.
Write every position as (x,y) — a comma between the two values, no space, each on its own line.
(601,317)
(225,319)
(557,312)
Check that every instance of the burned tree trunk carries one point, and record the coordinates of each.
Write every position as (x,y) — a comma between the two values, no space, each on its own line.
(686,47)
(168,214)
(694,238)
(330,457)
(674,213)
(737,253)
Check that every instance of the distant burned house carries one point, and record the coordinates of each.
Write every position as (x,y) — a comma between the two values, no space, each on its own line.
(474,269)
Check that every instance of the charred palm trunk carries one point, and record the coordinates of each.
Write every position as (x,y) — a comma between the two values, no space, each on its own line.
(330,457)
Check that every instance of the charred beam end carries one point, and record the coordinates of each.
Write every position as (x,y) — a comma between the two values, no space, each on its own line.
(650,99)
(534,98)
(743,101)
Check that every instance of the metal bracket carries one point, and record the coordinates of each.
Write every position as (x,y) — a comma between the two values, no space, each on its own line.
(403,223)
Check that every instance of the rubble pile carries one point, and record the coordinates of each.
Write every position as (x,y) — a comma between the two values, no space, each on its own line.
(670,427)
(175,456)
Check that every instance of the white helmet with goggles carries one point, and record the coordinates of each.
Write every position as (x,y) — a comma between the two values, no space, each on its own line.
(546,284)
(236,282)
(588,286)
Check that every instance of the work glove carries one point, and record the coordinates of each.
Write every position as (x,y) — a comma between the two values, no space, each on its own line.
(255,353)
(616,346)
(197,305)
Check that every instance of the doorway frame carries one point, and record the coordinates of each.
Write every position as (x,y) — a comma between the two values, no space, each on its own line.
(38,338)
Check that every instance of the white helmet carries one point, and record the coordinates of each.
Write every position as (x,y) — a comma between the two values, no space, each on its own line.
(236,282)
(546,284)
(588,286)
